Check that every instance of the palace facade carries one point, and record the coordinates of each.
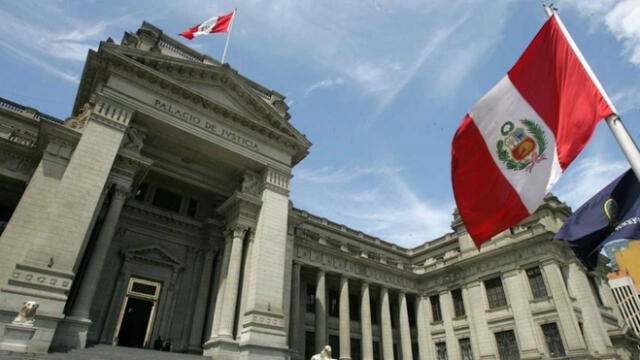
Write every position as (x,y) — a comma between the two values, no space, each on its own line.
(160,208)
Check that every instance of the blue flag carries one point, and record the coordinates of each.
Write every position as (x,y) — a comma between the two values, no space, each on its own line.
(612,214)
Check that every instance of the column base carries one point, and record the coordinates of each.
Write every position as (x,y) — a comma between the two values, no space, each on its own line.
(223,348)
(16,338)
(71,334)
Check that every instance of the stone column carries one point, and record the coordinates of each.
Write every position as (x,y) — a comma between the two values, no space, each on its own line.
(72,333)
(424,328)
(385,317)
(595,331)
(345,320)
(219,295)
(321,312)
(366,342)
(564,306)
(199,314)
(482,334)
(446,306)
(525,325)
(405,331)
(296,325)
(232,284)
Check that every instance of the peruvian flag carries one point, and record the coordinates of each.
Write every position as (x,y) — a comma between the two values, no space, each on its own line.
(213,25)
(520,137)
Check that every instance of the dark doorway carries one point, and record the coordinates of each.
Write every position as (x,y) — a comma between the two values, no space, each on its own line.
(133,327)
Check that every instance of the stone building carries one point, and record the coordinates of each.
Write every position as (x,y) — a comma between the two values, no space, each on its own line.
(625,292)
(161,208)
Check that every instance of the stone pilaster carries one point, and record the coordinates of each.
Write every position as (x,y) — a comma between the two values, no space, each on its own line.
(41,266)
(525,326)
(385,317)
(366,341)
(321,312)
(405,331)
(446,306)
(219,294)
(72,332)
(424,328)
(564,305)
(199,313)
(345,320)
(482,334)
(232,283)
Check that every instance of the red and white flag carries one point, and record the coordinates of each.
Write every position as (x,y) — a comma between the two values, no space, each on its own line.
(214,25)
(520,137)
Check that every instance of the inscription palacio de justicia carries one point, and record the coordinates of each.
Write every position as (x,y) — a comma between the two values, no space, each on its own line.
(209,126)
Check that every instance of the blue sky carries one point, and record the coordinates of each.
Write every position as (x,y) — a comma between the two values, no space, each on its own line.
(379,87)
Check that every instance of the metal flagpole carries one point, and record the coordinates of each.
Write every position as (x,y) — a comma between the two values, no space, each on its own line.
(620,133)
(226,44)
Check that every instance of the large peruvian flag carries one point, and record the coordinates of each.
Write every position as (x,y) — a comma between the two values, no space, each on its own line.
(213,25)
(520,137)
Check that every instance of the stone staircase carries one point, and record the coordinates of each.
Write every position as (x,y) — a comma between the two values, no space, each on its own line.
(108,352)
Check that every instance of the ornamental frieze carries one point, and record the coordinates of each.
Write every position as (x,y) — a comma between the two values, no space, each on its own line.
(351,268)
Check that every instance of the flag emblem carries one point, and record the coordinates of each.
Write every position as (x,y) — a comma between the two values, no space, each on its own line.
(520,149)
(610,208)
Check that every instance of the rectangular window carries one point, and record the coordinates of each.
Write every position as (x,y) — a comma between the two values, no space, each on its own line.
(309,344)
(536,281)
(436,313)
(354,307)
(595,289)
(507,346)
(334,305)
(465,349)
(376,350)
(355,349)
(334,342)
(167,200)
(495,293)
(553,339)
(192,207)
(441,351)
(458,302)
(311,298)
(375,311)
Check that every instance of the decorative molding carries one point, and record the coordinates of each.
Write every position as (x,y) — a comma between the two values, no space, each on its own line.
(153,254)
(60,148)
(41,278)
(79,121)
(111,114)
(277,181)
(251,184)
(133,139)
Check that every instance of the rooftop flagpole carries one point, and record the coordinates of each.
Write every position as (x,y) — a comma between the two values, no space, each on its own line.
(226,44)
(620,133)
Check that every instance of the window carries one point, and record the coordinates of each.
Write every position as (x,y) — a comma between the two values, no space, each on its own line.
(311,298)
(595,289)
(536,282)
(465,349)
(355,349)
(192,207)
(167,200)
(411,312)
(507,346)
(334,305)
(354,307)
(309,344)
(375,311)
(142,191)
(441,351)
(553,339)
(376,350)
(436,313)
(495,293)
(334,342)
(458,302)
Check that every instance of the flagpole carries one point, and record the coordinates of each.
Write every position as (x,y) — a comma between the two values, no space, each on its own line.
(226,44)
(620,132)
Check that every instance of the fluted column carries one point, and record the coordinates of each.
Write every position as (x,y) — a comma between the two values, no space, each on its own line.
(321,312)
(366,341)
(424,331)
(385,317)
(89,284)
(405,331)
(525,325)
(345,321)
(201,302)
(296,326)
(232,283)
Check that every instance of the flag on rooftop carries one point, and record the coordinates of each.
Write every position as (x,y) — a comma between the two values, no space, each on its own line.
(214,25)
(520,137)
(612,214)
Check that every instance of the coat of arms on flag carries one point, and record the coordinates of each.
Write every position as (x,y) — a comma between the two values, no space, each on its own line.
(522,147)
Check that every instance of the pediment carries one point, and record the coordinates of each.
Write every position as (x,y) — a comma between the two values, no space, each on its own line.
(153,254)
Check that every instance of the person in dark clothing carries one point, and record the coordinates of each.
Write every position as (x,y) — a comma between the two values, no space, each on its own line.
(158,343)
(167,345)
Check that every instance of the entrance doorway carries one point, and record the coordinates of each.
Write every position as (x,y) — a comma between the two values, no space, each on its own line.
(137,314)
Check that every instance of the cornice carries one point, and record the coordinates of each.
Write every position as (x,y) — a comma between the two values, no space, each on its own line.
(109,58)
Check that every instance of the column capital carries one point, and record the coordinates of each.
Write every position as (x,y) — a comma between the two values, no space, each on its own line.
(235,231)
(276,180)
(110,113)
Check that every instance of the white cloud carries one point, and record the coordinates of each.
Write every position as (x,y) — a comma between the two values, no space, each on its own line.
(323,84)
(586,177)
(376,200)
(40,63)
(626,99)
